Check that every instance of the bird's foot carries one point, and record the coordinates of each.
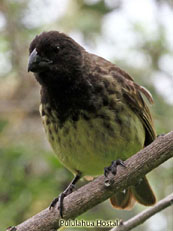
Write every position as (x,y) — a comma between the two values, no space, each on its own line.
(61,197)
(66,192)
(112,169)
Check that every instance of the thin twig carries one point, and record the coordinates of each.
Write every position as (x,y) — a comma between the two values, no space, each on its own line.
(145,215)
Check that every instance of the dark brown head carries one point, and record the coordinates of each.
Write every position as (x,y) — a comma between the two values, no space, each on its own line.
(54,55)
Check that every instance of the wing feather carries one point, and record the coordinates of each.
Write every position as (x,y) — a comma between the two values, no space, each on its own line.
(132,93)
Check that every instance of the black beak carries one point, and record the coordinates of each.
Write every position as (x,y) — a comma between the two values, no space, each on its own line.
(37,63)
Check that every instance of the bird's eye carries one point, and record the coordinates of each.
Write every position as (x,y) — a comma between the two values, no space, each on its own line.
(57,48)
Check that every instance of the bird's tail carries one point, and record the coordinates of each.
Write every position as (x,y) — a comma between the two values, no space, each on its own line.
(140,192)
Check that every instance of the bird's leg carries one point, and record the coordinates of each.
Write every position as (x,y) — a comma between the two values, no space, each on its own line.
(112,169)
(66,192)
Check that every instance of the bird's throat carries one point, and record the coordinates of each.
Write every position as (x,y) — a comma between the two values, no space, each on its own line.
(69,99)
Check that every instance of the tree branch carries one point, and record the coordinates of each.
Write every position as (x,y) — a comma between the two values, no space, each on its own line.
(96,192)
(146,214)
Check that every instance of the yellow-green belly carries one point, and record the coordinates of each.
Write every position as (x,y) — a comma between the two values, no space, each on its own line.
(90,145)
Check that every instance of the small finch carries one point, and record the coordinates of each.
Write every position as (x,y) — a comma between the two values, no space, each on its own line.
(92,111)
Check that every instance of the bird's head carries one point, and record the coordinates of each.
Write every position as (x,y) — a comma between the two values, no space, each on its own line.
(56,53)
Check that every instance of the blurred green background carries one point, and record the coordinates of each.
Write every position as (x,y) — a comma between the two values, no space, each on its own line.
(136,35)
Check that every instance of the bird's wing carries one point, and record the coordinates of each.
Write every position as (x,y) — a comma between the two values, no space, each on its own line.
(132,95)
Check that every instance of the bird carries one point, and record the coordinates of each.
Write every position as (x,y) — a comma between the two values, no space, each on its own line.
(93,112)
